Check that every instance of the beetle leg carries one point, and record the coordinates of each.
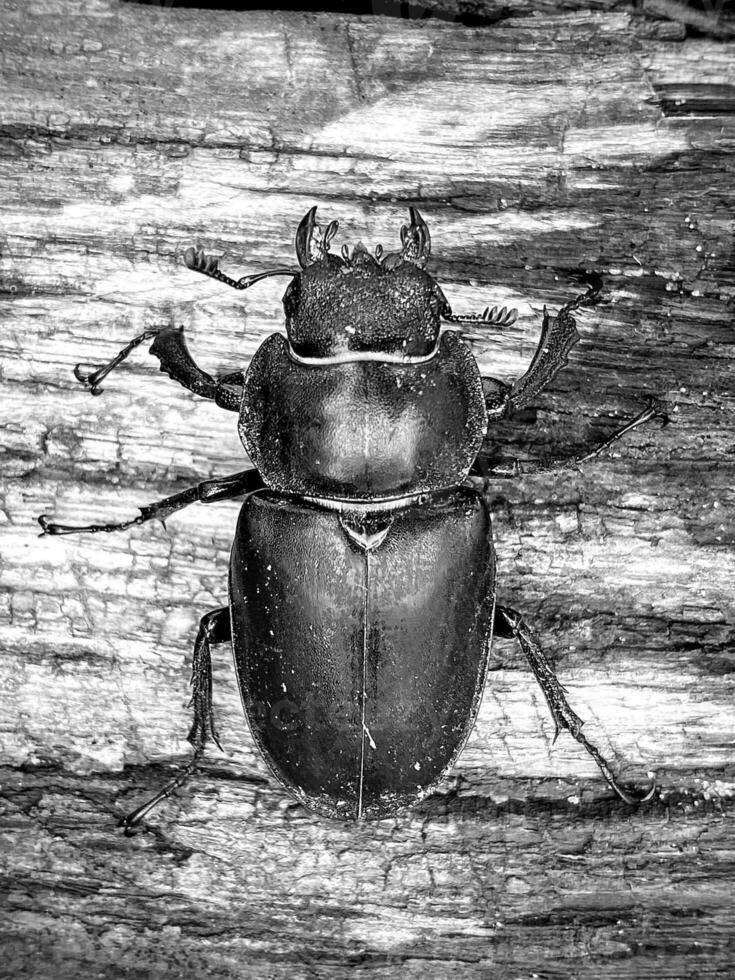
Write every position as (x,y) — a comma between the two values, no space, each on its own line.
(176,361)
(169,346)
(497,399)
(221,488)
(93,378)
(482,467)
(558,336)
(654,409)
(510,624)
(214,627)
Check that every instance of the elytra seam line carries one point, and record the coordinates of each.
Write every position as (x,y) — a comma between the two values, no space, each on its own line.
(364,676)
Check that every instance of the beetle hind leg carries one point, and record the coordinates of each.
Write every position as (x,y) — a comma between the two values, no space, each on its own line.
(509,624)
(214,627)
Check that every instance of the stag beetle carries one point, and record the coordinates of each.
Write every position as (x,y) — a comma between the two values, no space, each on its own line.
(362,580)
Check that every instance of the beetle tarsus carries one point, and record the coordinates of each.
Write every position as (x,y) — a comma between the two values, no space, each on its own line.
(509,623)
(655,409)
(51,528)
(131,821)
(94,378)
(590,296)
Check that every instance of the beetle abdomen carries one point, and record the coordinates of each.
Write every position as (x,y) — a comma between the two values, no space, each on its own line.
(364,429)
(361,643)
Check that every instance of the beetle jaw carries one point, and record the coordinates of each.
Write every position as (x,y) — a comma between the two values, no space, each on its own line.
(313,241)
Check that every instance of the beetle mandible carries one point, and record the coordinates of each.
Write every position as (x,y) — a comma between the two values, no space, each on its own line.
(362,595)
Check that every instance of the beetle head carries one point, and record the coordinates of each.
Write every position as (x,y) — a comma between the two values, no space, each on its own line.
(358,301)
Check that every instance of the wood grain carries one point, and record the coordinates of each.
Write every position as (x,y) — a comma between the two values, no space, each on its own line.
(536,147)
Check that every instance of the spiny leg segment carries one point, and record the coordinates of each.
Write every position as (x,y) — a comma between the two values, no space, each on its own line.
(214,628)
(510,624)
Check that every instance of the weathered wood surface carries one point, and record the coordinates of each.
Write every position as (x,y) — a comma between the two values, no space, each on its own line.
(535,147)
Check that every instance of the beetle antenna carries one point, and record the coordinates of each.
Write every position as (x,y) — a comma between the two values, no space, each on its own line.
(208,265)
(491,317)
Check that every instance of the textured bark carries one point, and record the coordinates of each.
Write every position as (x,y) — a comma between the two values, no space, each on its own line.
(536,146)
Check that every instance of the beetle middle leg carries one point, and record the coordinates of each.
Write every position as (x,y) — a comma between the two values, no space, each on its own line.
(509,624)
(214,627)
(209,491)
(482,466)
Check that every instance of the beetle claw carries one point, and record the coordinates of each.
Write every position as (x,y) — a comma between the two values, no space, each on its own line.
(50,528)
(91,379)
(658,408)
(635,799)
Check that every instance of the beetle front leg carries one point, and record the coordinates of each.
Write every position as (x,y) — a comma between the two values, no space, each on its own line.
(176,361)
(509,624)
(169,346)
(222,488)
(214,627)
(558,336)
(93,378)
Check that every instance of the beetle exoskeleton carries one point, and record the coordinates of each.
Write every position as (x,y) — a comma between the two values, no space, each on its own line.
(362,577)
(361,592)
